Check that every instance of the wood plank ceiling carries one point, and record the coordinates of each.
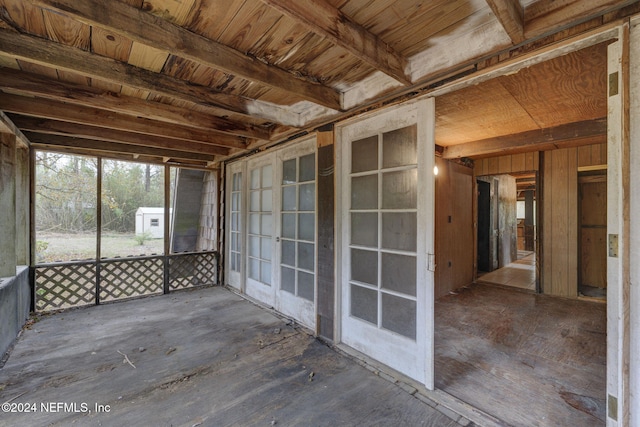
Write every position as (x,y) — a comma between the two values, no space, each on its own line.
(192,82)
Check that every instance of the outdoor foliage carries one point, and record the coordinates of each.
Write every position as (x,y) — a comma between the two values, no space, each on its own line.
(66,188)
(65,193)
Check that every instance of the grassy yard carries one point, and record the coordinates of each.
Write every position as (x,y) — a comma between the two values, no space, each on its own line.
(66,247)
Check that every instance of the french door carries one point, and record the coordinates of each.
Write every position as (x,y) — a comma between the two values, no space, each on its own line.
(277,226)
(234,242)
(387,237)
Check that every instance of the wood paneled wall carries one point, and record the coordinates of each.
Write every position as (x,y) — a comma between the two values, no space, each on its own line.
(455,234)
(560,218)
(507,164)
(559,267)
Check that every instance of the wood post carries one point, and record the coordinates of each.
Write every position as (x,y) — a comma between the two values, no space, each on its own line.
(7,205)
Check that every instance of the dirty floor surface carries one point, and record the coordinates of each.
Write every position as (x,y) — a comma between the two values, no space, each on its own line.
(205,357)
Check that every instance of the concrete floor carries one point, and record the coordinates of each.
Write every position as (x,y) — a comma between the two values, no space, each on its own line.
(203,357)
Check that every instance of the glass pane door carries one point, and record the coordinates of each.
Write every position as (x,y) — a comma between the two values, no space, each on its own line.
(260,242)
(386,233)
(234,240)
(297,290)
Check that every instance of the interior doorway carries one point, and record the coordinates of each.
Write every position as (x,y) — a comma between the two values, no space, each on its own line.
(507,230)
(592,239)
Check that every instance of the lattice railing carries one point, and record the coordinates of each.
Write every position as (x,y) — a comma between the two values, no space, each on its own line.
(65,285)
(74,284)
(192,269)
(131,277)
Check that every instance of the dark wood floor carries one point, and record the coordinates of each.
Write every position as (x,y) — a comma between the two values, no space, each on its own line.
(202,358)
(529,360)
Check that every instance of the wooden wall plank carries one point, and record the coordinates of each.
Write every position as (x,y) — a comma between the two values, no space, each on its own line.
(326,247)
(504,164)
(454,228)
(493,166)
(560,231)
(518,162)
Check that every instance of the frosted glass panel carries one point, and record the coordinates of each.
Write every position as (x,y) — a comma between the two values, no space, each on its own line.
(308,168)
(289,171)
(307,197)
(288,280)
(288,253)
(305,255)
(364,155)
(399,273)
(267,224)
(265,248)
(235,201)
(399,231)
(254,269)
(289,198)
(364,229)
(254,223)
(364,304)
(267,200)
(306,289)
(364,266)
(399,315)
(237,181)
(306,226)
(234,267)
(267,172)
(289,225)
(399,147)
(265,272)
(254,246)
(255,179)
(234,221)
(364,192)
(254,204)
(400,189)
(234,242)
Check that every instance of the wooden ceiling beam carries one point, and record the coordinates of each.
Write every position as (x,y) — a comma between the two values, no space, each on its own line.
(181,163)
(150,30)
(67,58)
(45,108)
(328,21)
(99,147)
(32,84)
(510,14)
(584,131)
(550,16)
(7,126)
(54,127)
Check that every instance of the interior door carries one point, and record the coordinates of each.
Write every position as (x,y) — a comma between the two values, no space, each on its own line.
(593,234)
(260,234)
(387,234)
(296,294)
(234,241)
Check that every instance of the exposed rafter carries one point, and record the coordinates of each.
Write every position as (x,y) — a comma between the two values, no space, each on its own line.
(329,22)
(46,108)
(511,16)
(571,133)
(113,147)
(55,127)
(31,84)
(546,16)
(150,30)
(51,54)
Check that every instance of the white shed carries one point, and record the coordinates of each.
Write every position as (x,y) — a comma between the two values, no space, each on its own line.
(151,220)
